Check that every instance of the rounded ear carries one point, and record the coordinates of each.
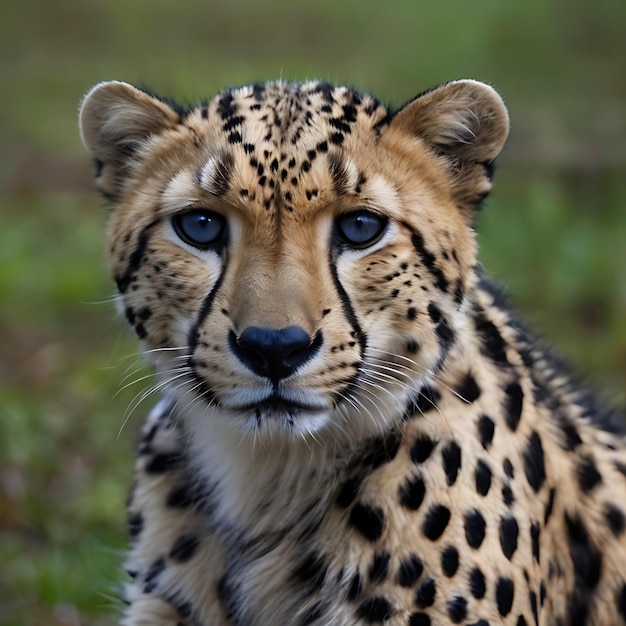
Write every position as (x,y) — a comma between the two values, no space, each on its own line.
(115,119)
(466,123)
(464,119)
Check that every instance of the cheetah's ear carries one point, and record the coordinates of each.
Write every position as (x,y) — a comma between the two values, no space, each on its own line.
(116,120)
(466,122)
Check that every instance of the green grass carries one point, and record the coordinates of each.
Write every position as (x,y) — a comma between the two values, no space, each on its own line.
(553,231)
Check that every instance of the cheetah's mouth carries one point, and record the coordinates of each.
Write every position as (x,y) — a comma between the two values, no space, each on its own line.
(278,405)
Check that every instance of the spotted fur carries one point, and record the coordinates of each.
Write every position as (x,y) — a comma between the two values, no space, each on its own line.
(353,428)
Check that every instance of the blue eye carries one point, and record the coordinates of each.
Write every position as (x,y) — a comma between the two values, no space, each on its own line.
(199,228)
(361,228)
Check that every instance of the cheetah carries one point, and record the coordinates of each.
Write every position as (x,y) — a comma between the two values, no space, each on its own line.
(353,428)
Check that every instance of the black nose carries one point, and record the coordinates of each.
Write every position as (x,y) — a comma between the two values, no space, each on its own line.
(274,354)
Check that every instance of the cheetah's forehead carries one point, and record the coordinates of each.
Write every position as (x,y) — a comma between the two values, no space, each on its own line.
(278,138)
(286,115)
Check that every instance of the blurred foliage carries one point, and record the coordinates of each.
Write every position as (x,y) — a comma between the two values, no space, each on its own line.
(554,230)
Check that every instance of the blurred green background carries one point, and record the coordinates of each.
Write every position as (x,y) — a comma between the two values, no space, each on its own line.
(554,229)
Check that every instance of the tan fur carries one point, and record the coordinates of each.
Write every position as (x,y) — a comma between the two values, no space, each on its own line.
(301,498)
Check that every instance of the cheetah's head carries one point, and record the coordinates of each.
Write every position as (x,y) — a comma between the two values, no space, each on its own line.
(295,257)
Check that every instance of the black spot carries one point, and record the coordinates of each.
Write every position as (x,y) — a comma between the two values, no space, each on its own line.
(161,463)
(615,519)
(412,347)
(410,570)
(422,449)
(182,498)
(468,389)
(474,528)
(152,575)
(425,595)
(535,534)
(507,495)
(226,108)
(435,521)
(322,146)
(521,621)
(235,137)
(368,520)
(380,567)
(339,124)
(429,261)
(426,400)
(572,438)
(451,456)
(532,596)
(534,467)
(349,491)
(419,619)
(459,292)
(549,506)
(477,583)
(621,601)
(492,344)
(135,259)
(442,329)
(375,610)
(384,449)
(482,476)
(130,315)
(411,313)
(450,561)
(140,329)
(434,312)
(349,111)
(457,609)
(311,572)
(486,429)
(225,590)
(507,466)
(588,474)
(411,493)
(586,558)
(184,548)
(336,138)
(135,524)
(356,586)
(509,532)
(505,591)
(513,403)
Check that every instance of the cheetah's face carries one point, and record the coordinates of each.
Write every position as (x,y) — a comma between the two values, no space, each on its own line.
(294,255)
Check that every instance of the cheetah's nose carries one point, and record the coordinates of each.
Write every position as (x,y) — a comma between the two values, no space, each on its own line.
(274,354)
